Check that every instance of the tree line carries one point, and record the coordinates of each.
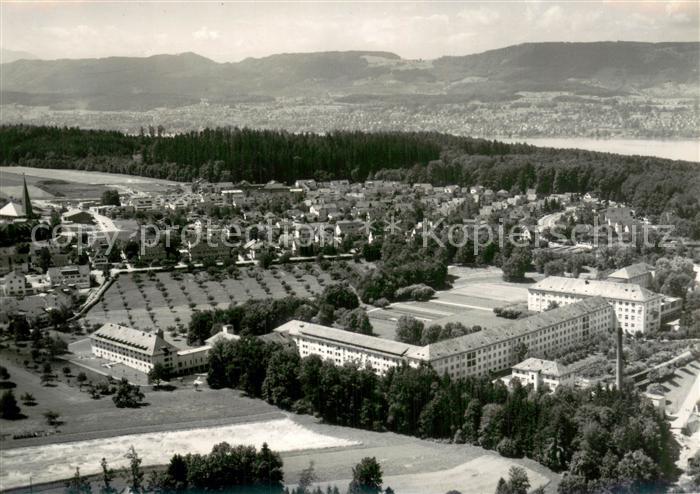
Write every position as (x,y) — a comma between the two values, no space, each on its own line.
(235,469)
(653,185)
(601,438)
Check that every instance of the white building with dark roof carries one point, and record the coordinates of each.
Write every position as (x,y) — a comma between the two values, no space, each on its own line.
(343,347)
(14,284)
(77,275)
(538,372)
(496,349)
(636,308)
(142,350)
(640,274)
(132,347)
(477,354)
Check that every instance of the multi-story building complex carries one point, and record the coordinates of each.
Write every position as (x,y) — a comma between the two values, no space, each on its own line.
(636,308)
(496,349)
(141,350)
(343,347)
(137,349)
(476,354)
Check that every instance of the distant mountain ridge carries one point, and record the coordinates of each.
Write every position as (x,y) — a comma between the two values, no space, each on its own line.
(7,56)
(122,83)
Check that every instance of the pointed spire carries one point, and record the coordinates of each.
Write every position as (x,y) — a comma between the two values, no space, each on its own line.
(25,199)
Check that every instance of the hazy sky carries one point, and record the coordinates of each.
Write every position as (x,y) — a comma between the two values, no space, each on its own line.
(230,31)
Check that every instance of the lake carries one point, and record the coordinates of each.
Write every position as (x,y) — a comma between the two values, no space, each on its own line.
(688,150)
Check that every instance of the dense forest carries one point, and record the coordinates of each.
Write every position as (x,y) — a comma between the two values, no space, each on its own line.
(605,440)
(652,185)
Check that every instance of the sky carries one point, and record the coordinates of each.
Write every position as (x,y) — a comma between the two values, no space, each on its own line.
(231,31)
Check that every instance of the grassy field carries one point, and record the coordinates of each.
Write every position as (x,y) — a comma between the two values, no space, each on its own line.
(167,300)
(96,428)
(45,183)
(471,300)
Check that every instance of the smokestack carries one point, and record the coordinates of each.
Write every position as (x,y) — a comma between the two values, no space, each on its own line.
(618,363)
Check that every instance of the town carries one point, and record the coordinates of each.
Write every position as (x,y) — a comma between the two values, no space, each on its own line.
(148,284)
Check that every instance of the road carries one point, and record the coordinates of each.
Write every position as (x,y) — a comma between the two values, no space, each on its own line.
(686,409)
(550,220)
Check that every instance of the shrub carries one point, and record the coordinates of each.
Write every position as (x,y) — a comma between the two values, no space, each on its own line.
(419,292)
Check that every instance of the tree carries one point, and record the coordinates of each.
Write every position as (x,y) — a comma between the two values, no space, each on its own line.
(502,486)
(409,330)
(307,477)
(108,476)
(356,321)
(518,481)
(47,374)
(340,296)
(268,469)
(28,399)
(19,327)
(637,471)
(4,374)
(111,198)
(281,384)
(200,327)
(158,373)
(78,484)
(81,378)
(266,257)
(128,395)
(9,410)
(52,417)
(515,266)
(366,477)
(520,351)
(176,473)
(135,473)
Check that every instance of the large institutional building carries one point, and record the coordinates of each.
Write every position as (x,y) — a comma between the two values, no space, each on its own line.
(141,350)
(637,310)
(343,346)
(476,354)
(495,349)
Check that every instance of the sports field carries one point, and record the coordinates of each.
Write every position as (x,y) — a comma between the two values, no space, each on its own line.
(471,300)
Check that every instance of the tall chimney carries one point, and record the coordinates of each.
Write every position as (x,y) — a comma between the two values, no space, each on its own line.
(618,363)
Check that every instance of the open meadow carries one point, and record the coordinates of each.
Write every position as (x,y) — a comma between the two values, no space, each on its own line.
(185,420)
(48,183)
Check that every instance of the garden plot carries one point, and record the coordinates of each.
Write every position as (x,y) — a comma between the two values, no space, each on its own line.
(166,300)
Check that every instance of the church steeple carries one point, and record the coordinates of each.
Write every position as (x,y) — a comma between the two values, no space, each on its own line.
(27,203)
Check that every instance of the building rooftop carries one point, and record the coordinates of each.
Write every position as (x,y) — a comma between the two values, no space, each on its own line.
(632,271)
(595,288)
(372,343)
(133,338)
(515,329)
(548,367)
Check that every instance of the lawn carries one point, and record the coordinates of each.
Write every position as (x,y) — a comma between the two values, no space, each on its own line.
(185,420)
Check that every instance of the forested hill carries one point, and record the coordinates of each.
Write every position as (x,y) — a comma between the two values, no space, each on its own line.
(131,83)
(653,185)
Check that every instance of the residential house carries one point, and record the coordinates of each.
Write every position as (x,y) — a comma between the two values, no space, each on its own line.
(72,275)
